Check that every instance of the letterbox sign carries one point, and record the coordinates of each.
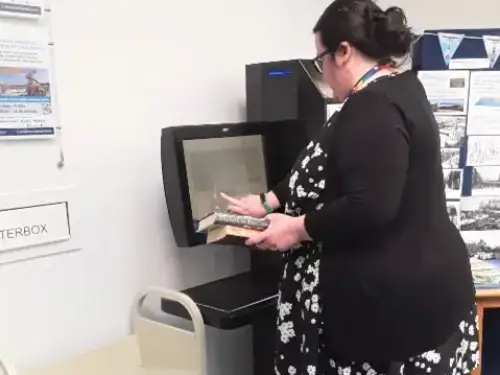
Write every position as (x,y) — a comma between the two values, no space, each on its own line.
(33,226)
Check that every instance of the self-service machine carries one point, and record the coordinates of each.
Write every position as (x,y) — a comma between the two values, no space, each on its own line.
(287,103)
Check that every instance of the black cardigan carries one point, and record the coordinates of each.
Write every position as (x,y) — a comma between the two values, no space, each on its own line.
(395,276)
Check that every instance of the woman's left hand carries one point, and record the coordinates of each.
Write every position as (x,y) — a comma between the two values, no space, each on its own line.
(283,233)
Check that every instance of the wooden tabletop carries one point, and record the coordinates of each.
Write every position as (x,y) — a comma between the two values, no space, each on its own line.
(488,293)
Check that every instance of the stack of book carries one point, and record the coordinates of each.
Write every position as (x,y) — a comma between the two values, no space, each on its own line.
(230,229)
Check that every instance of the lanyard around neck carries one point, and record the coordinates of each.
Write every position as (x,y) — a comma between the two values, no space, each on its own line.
(367,78)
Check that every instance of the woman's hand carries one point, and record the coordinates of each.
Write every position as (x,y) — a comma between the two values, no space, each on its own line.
(249,205)
(283,233)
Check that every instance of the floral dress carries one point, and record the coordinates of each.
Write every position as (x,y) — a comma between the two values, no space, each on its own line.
(300,349)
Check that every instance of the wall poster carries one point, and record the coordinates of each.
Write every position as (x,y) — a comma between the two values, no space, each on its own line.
(25,89)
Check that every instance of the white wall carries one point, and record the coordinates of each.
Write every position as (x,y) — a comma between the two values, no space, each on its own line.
(126,69)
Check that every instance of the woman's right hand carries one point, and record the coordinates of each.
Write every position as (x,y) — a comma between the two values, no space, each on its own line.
(249,205)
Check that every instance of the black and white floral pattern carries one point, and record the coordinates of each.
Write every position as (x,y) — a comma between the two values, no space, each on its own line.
(300,349)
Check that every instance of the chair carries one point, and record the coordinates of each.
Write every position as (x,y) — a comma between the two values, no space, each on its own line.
(6,368)
(154,349)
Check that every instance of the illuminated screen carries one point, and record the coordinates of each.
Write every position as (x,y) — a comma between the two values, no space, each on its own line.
(233,165)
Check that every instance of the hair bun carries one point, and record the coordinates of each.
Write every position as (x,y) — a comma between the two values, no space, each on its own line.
(392,33)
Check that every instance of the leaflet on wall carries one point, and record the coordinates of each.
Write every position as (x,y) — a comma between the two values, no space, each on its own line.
(483,150)
(21,8)
(453,183)
(486,181)
(25,90)
(451,130)
(446,90)
(480,213)
(484,103)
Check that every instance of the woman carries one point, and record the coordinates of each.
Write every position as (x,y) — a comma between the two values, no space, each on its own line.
(376,279)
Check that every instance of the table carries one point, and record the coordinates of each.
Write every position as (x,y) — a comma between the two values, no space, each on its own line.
(485,299)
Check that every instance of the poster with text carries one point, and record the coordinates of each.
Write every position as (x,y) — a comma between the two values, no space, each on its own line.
(21,8)
(25,89)
(447,90)
(484,104)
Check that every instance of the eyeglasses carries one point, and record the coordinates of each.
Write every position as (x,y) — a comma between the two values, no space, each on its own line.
(318,61)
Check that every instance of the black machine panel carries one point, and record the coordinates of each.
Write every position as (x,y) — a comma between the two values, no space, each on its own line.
(287,90)
(286,105)
(194,156)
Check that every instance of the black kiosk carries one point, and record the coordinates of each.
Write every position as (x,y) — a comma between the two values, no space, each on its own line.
(286,104)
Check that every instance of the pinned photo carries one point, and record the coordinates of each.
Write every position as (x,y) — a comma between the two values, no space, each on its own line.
(453,208)
(483,245)
(450,158)
(483,150)
(480,213)
(451,131)
(486,181)
(453,180)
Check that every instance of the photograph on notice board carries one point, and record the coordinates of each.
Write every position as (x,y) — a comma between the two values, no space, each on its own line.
(453,208)
(484,245)
(453,183)
(447,90)
(484,103)
(24,82)
(450,158)
(485,272)
(486,181)
(449,106)
(483,150)
(451,130)
(480,213)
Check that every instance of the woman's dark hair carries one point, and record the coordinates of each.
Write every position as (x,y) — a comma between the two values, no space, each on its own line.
(379,35)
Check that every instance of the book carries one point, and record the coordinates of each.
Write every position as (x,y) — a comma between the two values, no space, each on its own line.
(230,235)
(218,219)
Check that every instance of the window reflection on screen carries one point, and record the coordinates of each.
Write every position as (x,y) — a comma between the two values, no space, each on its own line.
(233,165)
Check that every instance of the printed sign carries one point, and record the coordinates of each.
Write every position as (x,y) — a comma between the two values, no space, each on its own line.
(21,8)
(33,226)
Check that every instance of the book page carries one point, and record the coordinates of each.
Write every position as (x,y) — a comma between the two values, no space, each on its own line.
(232,165)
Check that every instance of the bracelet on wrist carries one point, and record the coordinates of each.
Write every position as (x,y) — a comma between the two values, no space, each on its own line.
(265,203)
